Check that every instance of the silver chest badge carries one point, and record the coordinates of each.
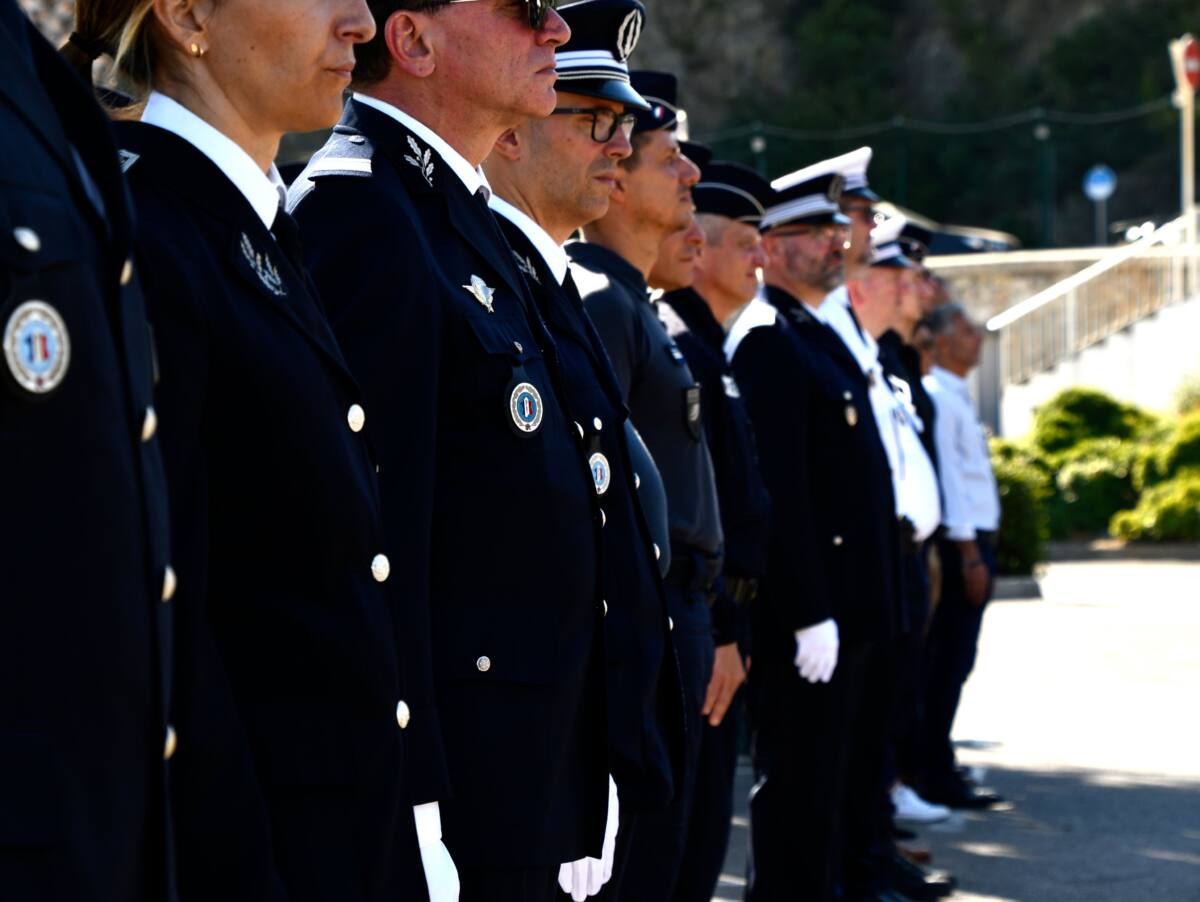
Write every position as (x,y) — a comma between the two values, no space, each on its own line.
(601,474)
(525,405)
(482,292)
(37,347)
(423,160)
(263,268)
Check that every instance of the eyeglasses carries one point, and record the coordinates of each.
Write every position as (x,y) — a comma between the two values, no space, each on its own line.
(820,233)
(605,122)
(537,10)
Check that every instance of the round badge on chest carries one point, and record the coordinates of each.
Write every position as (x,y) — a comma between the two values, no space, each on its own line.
(525,405)
(37,347)
(601,474)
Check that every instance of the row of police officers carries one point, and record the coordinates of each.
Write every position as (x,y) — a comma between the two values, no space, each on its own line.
(407,531)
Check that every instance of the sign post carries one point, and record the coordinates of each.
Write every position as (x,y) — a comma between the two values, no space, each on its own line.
(1185,60)
(1099,183)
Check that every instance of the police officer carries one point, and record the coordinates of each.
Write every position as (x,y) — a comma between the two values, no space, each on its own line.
(729,206)
(84,650)
(830,593)
(548,178)
(494,518)
(651,199)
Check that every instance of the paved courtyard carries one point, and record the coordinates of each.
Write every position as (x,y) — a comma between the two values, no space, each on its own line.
(1084,709)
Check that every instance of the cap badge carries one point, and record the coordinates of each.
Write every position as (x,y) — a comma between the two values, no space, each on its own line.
(482,292)
(423,160)
(835,189)
(263,268)
(37,347)
(525,405)
(601,474)
(628,34)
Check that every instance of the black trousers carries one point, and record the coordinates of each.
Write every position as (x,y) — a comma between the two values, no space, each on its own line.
(656,842)
(508,885)
(950,651)
(802,757)
(712,809)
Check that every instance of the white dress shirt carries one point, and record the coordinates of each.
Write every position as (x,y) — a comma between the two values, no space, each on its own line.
(264,191)
(914,482)
(552,252)
(969,495)
(471,176)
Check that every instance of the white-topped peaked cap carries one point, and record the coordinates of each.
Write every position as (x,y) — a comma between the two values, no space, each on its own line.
(885,243)
(595,61)
(808,195)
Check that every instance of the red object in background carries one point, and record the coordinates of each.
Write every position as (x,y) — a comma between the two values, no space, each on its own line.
(1191,63)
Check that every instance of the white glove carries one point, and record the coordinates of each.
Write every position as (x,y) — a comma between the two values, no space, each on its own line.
(583,878)
(441,876)
(817,651)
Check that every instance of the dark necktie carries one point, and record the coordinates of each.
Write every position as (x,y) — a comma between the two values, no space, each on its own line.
(14,22)
(287,236)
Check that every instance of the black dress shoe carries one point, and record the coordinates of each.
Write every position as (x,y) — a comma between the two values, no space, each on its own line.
(916,882)
(960,794)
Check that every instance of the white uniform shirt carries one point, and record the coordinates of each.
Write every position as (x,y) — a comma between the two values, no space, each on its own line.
(969,495)
(914,482)
(551,251)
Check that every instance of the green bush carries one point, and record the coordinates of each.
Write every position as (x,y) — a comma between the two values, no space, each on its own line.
(1176,449)
(1024,488)
(1187,396)
(1093,481)
(1168,512)
(1077,414)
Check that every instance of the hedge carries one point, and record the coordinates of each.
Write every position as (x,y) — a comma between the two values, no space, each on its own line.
(1168,512)
(1024,488)
(1077,414)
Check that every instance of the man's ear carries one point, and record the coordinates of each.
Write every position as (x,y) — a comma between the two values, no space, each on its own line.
(508,146)
(410,39)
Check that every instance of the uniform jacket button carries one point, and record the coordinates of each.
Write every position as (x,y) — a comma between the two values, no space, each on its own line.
(483,663)
(670,624)
(356,417)
(580,428)
(603,518)
(598,423)
(837,540)
(381,567)
(403,715)
(170,743)
(169,583)
(149,424)
(518,347)
(657,551)
(28,239)
(604,602)
(127,272)
(637,481)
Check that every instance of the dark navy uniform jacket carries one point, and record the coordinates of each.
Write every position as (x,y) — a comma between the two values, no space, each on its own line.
(288,776)
(745,504)
(645,717)
(834,547)
(664,399)
(493,519)
(84,633)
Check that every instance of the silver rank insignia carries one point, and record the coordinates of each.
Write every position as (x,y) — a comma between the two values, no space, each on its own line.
(37,347)
(482,292)
(263,268)
(601,474)
(423,160)
(526,266)
(525,405)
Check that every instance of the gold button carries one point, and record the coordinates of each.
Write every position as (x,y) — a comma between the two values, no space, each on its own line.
(637,481)
(483,664)
(149,424)
(403,715)
(170,743)
(605,603)
(127,272)
(356,417)
(657,551)
(837,540)
(380,567)
(598,423)
(169,583)
(28,239)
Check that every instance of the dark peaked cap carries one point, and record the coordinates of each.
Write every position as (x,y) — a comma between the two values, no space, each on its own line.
(699,154)
(594,62)
(732,190)
(661,90)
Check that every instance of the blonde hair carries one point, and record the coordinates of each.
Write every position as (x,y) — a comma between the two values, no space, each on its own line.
(122,29)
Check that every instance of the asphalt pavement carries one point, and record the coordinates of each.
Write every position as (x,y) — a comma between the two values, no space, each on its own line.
(1084,712)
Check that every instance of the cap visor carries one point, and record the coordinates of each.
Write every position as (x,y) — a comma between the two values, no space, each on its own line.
(606,89)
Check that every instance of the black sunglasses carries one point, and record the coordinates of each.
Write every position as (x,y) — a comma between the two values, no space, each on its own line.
(611,119)
(535,9)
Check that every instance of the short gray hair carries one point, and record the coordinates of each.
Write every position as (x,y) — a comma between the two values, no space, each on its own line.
(941,320)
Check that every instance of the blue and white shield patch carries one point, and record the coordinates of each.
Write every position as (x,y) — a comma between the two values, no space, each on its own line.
(37,347)
(601,474)
(525,405)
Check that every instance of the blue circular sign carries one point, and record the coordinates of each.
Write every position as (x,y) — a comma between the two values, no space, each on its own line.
(1099,183)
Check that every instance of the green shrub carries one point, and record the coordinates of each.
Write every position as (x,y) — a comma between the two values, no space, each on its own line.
(1176,449)
(1093,481)
(1077,414)
(1168,512)
(1187,396)
(1024,488)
